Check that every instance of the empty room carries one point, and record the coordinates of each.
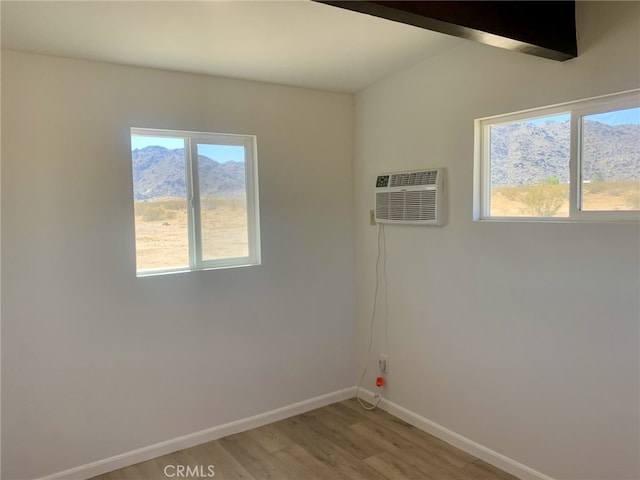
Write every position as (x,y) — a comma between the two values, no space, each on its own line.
(302,239)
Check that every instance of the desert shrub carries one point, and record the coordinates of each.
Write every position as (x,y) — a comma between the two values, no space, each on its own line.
(543,199)
(212,203)
(150,212)
(510,193)
(552,181)
(597,184)
(174,204)
(153,214)
(591,188)
(632,198)
(615,189)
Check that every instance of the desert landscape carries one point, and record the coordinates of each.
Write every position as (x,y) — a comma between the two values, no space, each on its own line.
(549,199)
(162,231)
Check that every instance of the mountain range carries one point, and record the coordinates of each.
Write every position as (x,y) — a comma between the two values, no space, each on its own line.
(160,172)
(527,153)
(522,153)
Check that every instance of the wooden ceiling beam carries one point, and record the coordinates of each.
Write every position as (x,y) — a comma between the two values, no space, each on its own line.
(542,28)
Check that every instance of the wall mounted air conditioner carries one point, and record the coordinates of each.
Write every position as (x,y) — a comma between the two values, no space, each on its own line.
(410,198)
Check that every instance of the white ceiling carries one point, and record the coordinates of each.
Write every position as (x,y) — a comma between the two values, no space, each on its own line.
(295,42)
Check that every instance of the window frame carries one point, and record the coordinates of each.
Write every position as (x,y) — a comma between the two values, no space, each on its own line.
(577,110)
(191,140)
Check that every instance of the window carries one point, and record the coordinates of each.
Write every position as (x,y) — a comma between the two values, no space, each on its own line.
(573,162)
(195,200)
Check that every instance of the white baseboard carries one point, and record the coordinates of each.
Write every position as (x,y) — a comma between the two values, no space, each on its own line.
(463,443)
(100,467)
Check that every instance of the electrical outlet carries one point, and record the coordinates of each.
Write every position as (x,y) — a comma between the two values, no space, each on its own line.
(372,217)
(383,363)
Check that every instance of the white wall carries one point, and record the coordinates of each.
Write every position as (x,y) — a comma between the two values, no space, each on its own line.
(520,336)
(97,362)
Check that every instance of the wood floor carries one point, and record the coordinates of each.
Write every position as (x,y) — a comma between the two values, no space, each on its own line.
(337,442)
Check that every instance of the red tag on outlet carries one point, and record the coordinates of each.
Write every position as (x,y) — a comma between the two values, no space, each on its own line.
(380,382)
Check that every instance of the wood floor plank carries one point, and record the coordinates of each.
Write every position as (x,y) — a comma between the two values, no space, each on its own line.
(357,445)
(269,438)
(341,441)
(433,444)
(393,468)
(226,467)
(305,466)
(431,466)
(258,462)
(352,416)
(326,451)
(179,463)
(482,470)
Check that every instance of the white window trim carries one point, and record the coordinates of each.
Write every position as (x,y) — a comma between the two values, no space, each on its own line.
(196,263)
(577,109)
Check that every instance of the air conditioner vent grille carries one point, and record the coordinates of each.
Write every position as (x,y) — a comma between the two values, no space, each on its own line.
(410,198)
(409,179)
(406,206)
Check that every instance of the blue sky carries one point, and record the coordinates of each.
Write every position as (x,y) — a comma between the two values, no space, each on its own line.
(556,118)
(219,153)
(619,117)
